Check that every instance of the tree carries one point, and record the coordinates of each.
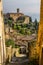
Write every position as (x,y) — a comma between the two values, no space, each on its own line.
(18,27)
(36,24)
(15,27)
(22,31)
(10,42)
(30,20)
(28,32)
(10,21)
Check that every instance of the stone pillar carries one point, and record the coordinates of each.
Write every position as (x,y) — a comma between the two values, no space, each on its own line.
(2,37)
(40,35)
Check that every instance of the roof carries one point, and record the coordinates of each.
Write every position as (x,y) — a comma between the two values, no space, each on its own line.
(28,38)
(14,13)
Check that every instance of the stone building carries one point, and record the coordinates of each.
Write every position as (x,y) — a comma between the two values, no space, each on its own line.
(17,15)
(13,15)
(2,37)
(27,19)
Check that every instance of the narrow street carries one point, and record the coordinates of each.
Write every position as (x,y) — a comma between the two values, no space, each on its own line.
(19,61)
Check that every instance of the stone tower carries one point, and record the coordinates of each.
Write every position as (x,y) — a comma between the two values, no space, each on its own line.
(17,10)
(40,35)
(2,37)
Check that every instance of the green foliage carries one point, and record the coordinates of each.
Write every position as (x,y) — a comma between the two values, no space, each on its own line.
(9,22)
(24,25)
(10,42)
(30,20)
(25,29)
(29,32)
(22,31)
(15,27)
(16,46)
(36,24)
(18,27)
(10,19)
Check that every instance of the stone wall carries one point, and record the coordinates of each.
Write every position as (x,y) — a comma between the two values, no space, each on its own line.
(27,20)
(10,52)
(2,37)
(15,16)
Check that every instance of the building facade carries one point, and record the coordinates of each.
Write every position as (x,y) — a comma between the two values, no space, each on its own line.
(18,15)
(40,35)
(2,37)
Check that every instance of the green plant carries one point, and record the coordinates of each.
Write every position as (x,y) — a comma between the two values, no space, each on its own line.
(10,42)
(16,46)
(22,31)
(15,27)
(10,19)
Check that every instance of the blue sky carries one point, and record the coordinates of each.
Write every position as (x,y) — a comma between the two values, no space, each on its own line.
(28,7)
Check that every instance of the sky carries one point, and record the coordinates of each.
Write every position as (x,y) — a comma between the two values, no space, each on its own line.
(28,7)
